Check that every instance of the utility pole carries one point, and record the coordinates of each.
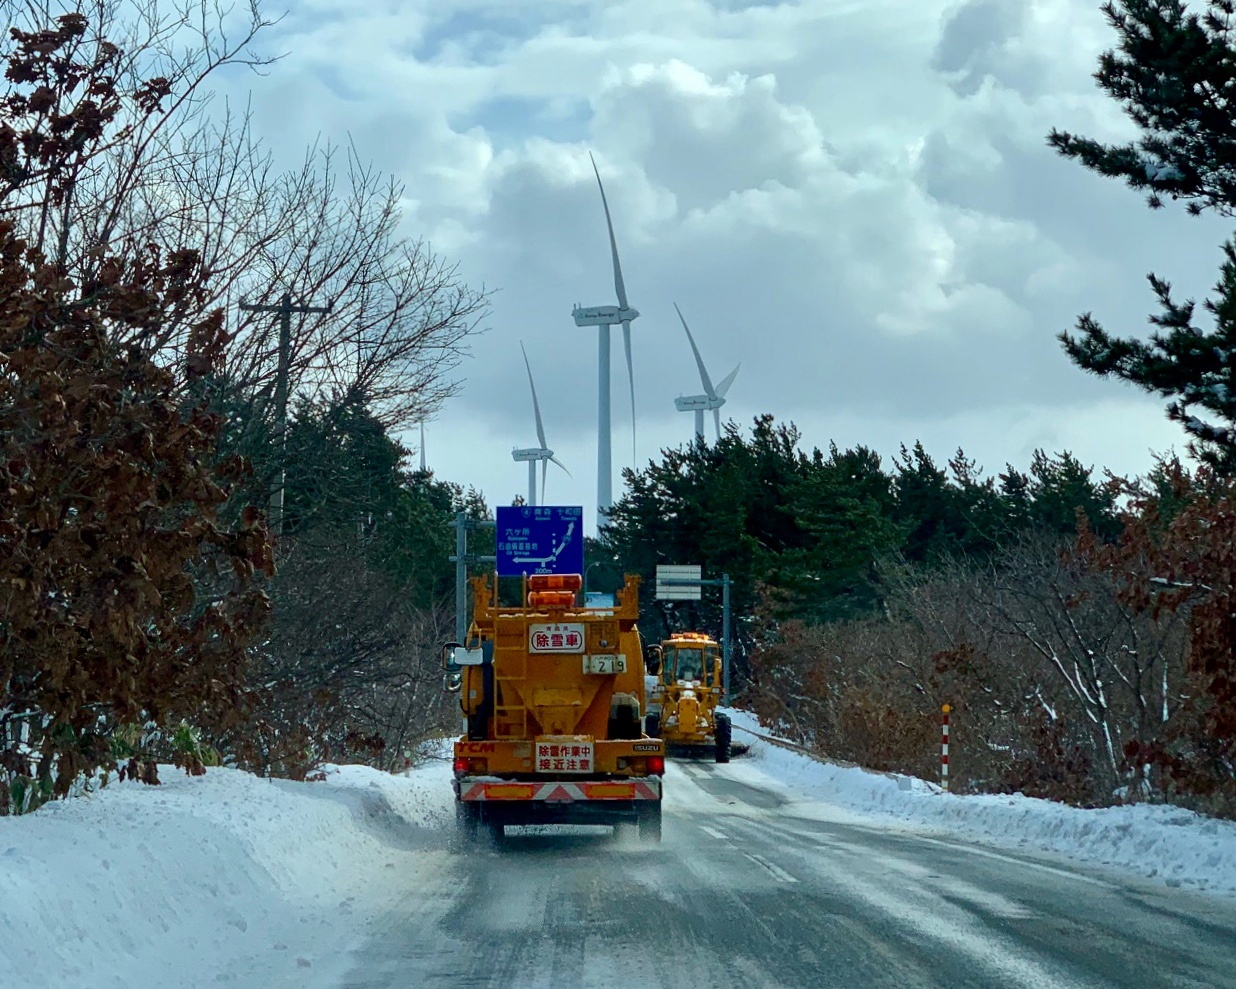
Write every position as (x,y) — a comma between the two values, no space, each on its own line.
(285,308)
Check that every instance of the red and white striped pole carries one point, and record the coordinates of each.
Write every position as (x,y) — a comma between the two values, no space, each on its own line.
(944,749)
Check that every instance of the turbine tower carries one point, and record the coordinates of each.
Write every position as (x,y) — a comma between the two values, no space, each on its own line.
(604,317)
(533,454)
(422,447)
(713,398)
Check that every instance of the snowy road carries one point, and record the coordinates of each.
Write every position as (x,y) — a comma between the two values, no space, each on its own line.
(751,890)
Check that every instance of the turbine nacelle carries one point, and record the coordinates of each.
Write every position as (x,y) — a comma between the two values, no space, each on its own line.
(603,315)
(697,403)
(532,453)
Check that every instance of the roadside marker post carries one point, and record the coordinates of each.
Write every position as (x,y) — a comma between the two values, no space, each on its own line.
(944,748)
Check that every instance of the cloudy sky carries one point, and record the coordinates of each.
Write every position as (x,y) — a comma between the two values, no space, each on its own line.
(852,198)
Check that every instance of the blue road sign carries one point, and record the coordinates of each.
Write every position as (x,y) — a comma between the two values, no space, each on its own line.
(540,539)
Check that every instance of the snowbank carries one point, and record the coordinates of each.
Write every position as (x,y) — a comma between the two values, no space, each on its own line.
(218,879)
(228,879)
(1176,846)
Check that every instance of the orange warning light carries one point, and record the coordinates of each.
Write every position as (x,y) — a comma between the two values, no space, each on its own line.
(555,582)
(551,599)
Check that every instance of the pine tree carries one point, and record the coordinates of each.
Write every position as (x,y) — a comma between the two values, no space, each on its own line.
(1174,74)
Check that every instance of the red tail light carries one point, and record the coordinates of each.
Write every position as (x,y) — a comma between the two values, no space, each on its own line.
(462,765)
(656,765)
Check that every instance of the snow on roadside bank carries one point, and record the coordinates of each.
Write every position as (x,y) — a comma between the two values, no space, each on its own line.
(1174,845)
(219,879)
(233,880)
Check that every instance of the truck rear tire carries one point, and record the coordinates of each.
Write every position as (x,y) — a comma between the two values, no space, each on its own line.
(724,733)
(652,726)
(650,823)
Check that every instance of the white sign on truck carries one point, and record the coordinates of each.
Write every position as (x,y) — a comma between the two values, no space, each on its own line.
(556,637)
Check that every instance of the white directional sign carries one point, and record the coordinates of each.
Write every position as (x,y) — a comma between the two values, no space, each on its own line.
(668,591)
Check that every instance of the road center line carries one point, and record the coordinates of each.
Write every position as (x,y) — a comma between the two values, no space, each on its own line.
(775,871)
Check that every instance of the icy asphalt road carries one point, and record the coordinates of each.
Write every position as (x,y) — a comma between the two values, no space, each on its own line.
(752,891)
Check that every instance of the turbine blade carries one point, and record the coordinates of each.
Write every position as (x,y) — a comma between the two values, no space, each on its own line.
(544,469)
(555,460)
(613,244)
(728,380)
(699,361)
(536,406)
(716,420)
(626,343)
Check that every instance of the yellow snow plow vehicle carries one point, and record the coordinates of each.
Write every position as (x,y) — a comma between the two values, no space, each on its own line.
(553,694)
(684,693)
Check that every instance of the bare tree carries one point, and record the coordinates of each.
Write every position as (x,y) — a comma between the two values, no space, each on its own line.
(349,670)
(174,165)
(155,132)
(400,315)
(1051,674)
(1119,669)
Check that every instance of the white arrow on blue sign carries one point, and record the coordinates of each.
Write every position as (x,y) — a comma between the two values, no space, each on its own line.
(540,539)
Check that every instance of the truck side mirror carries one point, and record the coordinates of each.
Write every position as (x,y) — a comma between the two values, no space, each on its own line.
(448,657)
(461,656)
(652,662)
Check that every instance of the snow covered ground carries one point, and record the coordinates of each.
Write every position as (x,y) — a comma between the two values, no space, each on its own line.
(228,879)
(1177,846)
(212,880)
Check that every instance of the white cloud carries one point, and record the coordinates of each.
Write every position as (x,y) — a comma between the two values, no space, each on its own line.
(855,199)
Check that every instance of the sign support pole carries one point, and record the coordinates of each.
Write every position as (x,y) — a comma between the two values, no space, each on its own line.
(461,559)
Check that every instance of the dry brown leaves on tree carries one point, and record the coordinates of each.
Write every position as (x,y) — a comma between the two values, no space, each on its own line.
(110,489)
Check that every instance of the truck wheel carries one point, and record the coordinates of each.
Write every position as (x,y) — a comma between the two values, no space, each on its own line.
(652,726)
(650,823)
(724,732)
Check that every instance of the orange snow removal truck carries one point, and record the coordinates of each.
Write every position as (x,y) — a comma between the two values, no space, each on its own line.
(553,698)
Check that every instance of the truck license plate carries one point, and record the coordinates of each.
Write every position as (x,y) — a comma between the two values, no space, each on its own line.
(564,757)
(605,663)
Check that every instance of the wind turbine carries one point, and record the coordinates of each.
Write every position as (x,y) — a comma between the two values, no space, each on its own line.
(605,317)
(713,398)
(422,447)
(533,454)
